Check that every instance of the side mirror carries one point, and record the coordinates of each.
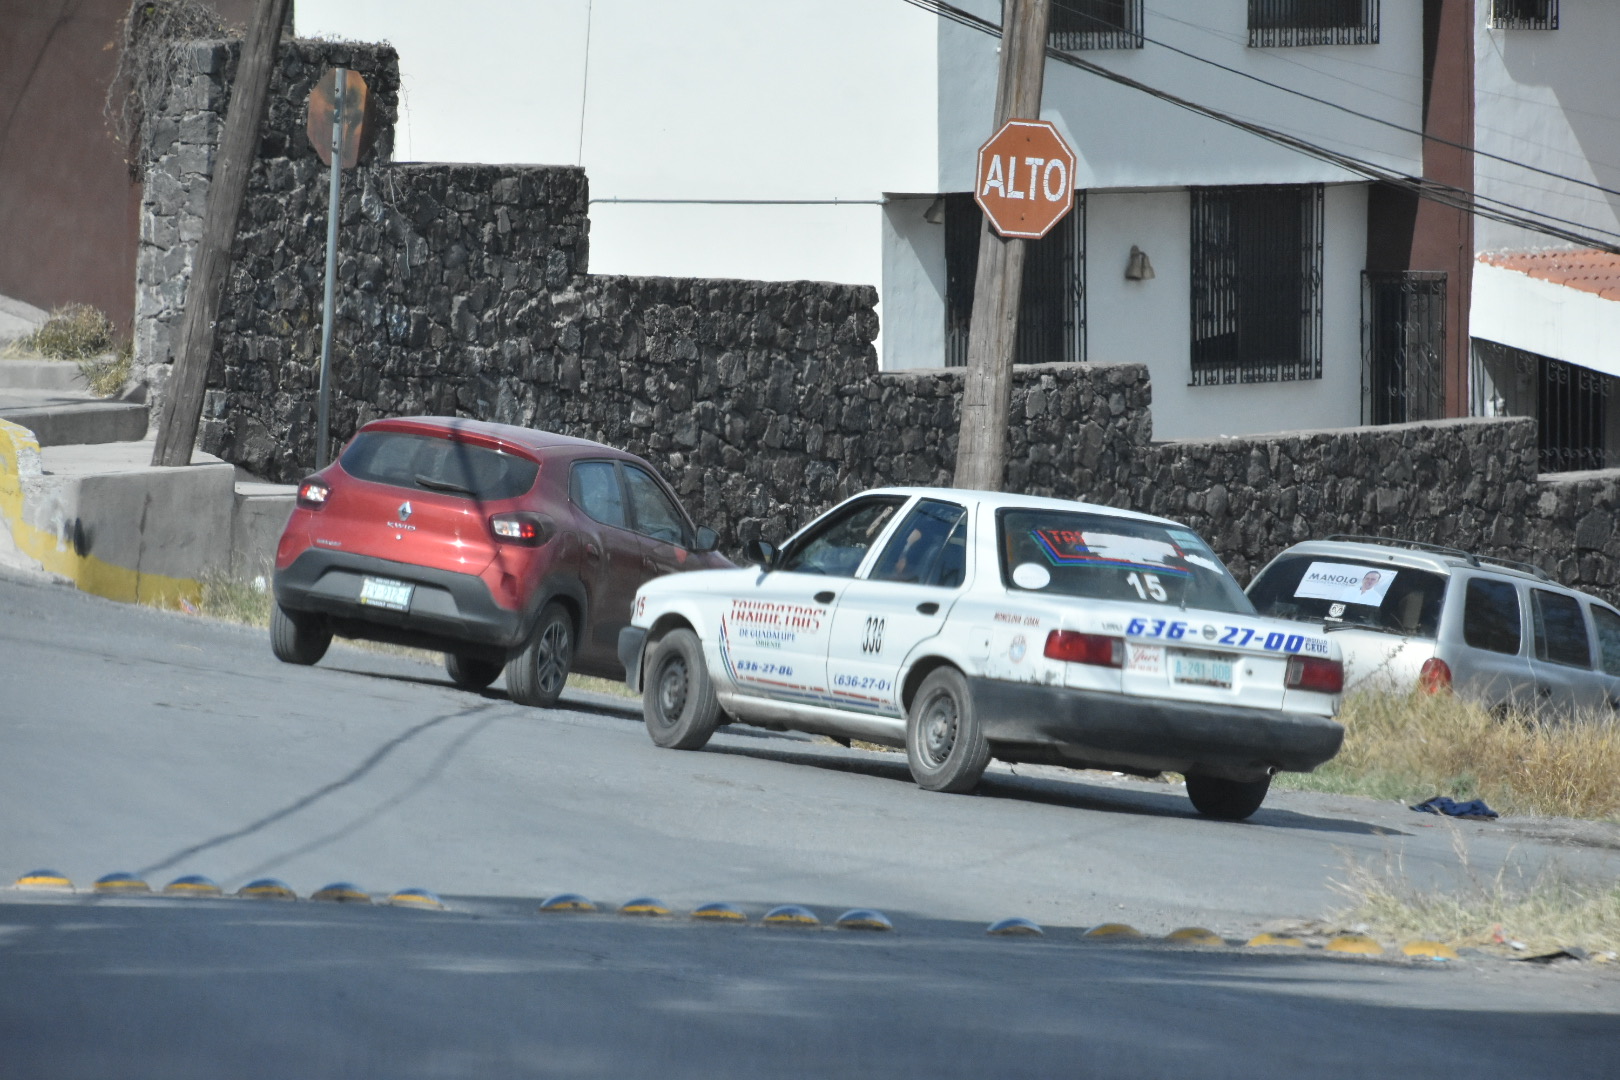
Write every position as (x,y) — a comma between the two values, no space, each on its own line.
(705,541)
(761,554)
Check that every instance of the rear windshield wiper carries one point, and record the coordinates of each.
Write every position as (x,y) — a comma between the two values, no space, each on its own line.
(444,485)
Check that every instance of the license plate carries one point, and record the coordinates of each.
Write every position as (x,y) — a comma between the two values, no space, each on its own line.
(1201,671)
(383,593)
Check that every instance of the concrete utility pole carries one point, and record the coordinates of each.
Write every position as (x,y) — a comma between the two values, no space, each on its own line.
(981,451)
(211,267)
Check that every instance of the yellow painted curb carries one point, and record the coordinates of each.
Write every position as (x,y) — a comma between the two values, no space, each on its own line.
(341,892)
(1195,935)
(1261,941)
(19,453)
(1113,929)
(645,906)
(1355,945)
(120,882)
(45,880)
(790,915)
(1434,950)
(566,902)
(720,911)
(192,885)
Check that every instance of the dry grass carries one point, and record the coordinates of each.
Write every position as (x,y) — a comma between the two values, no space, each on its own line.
(74,332)
(107,374)
(1543,912)
(1411,747)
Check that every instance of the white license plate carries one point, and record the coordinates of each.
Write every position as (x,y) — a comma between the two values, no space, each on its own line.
(383,593)
(1201,671)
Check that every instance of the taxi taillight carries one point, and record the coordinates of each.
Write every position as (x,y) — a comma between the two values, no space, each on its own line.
(1315,674)
(1099,650)
(312,494)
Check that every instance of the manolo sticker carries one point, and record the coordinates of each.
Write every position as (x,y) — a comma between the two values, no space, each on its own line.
(1346,583)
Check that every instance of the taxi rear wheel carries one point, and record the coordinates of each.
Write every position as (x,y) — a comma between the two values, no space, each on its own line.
(677,699)
(469,672)
(944,745)
(1228,800)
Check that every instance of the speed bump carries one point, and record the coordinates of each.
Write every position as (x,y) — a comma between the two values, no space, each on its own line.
(1016,926)
(1261,941)
(863,919)
(1355,945)
(120,882)
(719,911)
(1195,935)
(1431,950)
(192,885)
(790,915)
(416,898)
(1113,930)
(45,881)
(341,892)
(267,888)
(645,906)
(566,902)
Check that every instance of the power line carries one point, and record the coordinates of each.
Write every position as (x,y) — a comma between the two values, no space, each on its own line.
(1434,191)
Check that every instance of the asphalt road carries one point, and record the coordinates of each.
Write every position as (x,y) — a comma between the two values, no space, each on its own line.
(166,744)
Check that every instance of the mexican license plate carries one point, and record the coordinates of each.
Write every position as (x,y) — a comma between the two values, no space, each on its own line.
(384,593)
(1201,669)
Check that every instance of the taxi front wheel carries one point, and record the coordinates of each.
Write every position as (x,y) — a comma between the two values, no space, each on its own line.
(677,698)
(944,745)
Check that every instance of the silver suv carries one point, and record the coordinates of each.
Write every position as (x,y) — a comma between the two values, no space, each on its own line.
(1404,613)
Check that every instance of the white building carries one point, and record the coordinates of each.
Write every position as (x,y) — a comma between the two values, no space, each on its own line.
(836,140)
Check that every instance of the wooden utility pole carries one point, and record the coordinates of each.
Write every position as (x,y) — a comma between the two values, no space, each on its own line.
(981,451)
(211,265)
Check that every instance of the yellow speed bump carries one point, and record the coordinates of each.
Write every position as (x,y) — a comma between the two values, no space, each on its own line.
(1195,935)
(567,901)
(647,907)
(192,885)
(1113,930)
(1016,926)
(45,881)
(1261,941)
(416,898)
(341,892)
(1431,950)
(267,888)
(119,882)
(720,911)
(790,915)
(863,919)
(1355,945)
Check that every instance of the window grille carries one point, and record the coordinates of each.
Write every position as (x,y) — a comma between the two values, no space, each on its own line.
(1524,14)
(1403,338)
(1571,404)
(1052,301)
(1095,24)
(1274,23)
(1256,284)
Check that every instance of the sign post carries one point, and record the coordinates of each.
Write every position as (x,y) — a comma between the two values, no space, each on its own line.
(337,123)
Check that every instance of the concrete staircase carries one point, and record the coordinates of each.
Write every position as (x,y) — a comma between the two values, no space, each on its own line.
(49,398)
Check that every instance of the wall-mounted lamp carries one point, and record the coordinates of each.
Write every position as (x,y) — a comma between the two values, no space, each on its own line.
(1138,267)
(935,214)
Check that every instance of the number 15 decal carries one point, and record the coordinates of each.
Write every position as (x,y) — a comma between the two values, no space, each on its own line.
(1147,585)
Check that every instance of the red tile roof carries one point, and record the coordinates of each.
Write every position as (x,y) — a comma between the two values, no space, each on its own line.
(1587,269)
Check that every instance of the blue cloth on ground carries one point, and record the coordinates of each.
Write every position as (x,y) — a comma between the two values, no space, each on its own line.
(1441,804)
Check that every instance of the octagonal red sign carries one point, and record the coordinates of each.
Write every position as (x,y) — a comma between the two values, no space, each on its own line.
(1025,181)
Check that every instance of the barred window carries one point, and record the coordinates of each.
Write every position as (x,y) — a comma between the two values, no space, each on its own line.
(1275,23)
(1256,284)
(1095,24)
(1524,14)
(1403,339)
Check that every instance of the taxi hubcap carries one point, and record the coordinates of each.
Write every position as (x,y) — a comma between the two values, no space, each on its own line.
(672,689)
(939,728)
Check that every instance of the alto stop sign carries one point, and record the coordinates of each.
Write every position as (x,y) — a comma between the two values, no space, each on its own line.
(1025,182)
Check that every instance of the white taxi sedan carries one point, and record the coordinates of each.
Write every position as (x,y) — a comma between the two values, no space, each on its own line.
(966,625)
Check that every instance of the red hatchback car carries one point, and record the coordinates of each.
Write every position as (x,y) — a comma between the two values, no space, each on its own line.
(502,547)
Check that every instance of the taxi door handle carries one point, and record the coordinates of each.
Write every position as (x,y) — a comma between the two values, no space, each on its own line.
(826,596)
(928,607)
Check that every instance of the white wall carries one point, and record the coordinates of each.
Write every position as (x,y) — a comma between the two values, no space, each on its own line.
(1547,98)
(1125,138)
(913,284)
(1546,318)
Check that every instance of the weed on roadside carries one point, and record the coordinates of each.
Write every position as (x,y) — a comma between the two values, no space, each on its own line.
(1413,746)
(74,332)
(105,374)
(1542,912)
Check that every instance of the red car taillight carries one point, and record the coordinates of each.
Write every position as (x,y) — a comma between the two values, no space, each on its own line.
(522,527)
(1077,648)
(312,494)
(1316,675)
(1435,676)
